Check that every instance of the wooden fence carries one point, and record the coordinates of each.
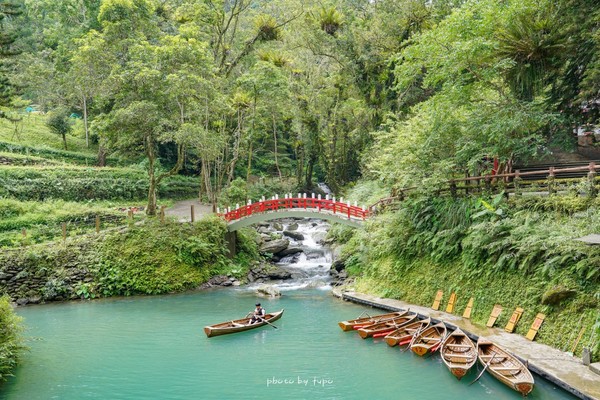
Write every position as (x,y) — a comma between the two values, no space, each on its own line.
(552,180)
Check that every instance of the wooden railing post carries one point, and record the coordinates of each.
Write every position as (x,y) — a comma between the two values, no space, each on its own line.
(551,181)
(592,179)
(162,214)
(453,188)
(97,224)
(488,183)
(193,215)
(467,182)
(517,183)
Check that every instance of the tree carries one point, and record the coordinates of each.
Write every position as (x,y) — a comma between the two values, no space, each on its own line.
(8,49)
(59,123)
(157,84)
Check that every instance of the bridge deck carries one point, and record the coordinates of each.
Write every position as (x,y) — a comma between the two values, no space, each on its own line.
(299,207)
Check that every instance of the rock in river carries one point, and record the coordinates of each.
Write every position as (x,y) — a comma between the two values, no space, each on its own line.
(268,290)
(275,246)
(294,235)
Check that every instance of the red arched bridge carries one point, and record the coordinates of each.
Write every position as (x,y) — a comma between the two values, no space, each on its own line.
(299,207)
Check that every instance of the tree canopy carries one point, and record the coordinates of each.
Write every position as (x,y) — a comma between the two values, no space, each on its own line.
(402,91)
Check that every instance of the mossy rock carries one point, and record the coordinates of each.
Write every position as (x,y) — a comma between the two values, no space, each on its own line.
(557,294)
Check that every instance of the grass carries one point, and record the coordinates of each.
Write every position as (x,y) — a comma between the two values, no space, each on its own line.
(42,221)
(419,284)
(32,131)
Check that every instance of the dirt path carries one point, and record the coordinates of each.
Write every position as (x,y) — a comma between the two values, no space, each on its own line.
(182,210)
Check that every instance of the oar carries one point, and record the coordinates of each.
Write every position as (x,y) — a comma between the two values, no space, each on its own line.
(412,339)
(486,365)
(264,320)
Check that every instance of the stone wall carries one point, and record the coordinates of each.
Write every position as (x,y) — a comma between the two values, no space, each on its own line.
(45,273)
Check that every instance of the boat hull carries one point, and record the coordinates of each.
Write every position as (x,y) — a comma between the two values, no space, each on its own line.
(351,324)
(387,326)
(505,367)
(239,325)
(459,353)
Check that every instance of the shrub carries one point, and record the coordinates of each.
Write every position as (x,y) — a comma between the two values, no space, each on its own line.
(11,341)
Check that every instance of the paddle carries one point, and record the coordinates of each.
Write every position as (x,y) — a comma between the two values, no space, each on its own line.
(486,365)
(264,320)
(412,339)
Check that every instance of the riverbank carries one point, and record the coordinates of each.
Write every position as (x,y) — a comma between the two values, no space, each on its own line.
(558,367)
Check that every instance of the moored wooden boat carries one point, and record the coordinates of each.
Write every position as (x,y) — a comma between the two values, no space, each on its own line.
(428,340)
(383,328)
(239,325)
(458,353)
(404,334)
(505,367)
(360,322)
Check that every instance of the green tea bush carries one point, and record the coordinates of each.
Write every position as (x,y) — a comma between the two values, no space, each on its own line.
(80,183)
(54,154)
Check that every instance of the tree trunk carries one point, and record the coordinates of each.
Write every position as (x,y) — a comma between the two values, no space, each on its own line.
(249,168)
(151,208)
(275,146)
(64,136)
(85,123)
(236,148)
(101,155)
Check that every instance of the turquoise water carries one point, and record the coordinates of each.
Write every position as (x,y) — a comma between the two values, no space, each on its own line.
(154,348)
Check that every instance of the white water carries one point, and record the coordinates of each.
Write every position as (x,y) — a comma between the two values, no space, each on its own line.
(310,269)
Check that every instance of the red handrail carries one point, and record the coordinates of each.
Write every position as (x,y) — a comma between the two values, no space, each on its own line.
(290,203)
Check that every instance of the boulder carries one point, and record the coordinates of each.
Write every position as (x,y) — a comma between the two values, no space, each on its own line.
(294,235)
(292,227)
(278,273)
(290,250)
(275,246)
(277,226)
(338,265)
(22,301)
(314,254)
(268,290)
(557,294)
(268,271)
(219,280)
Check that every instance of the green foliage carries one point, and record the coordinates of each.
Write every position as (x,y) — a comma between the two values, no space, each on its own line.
(235,193)
(11,340)
(80,184)
(330,19)
(266,28)
(42,220)
(465,245)
(160,259)
(53,155)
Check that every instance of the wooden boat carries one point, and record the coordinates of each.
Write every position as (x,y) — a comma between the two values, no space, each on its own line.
(428,340)
(383,328)
(239,325)
(505,367)
(404,334)
(360,322)
(458,353)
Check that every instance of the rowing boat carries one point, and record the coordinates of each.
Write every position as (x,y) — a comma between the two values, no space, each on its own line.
(360,322)
(505,367)
(429,339)
(240,325)
(403,335)
(458,353)
(383,328)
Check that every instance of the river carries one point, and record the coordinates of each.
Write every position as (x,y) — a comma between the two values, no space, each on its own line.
(154,348)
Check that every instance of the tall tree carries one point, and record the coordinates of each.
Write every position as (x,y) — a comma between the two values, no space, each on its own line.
(8,50)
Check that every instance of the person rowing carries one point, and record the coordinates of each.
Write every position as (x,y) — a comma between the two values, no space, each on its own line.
(258,315)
